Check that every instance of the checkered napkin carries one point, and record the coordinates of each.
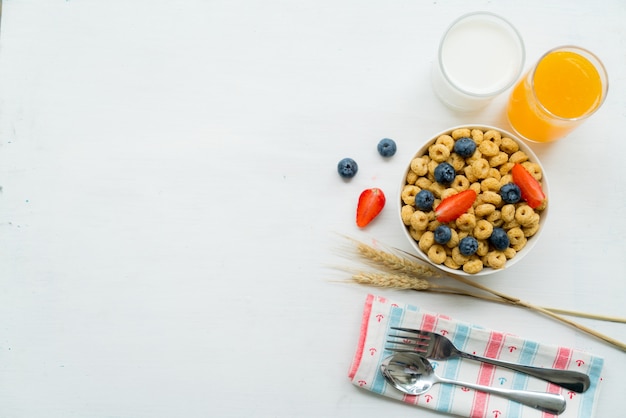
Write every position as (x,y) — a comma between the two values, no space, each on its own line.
(380,314)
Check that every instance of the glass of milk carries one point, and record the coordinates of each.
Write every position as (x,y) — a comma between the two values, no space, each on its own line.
(480,56)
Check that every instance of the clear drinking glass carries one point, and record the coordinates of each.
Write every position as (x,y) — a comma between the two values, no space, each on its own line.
(480,56)
(566,86)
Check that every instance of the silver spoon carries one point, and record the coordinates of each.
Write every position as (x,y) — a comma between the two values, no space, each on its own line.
(413,374)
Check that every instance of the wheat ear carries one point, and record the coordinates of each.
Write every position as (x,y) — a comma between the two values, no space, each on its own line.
(396,263)
(411,275)
(395,281)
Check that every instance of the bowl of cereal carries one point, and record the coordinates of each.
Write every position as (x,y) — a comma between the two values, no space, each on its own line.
(473,200)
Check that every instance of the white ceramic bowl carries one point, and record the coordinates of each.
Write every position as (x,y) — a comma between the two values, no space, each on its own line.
(531,240)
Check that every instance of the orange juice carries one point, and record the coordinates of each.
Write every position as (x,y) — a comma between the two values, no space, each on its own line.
(566,86)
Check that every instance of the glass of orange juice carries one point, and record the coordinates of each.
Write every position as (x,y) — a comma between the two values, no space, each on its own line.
(566,86)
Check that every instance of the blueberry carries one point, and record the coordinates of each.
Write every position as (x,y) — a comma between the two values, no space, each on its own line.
(443,234)
(499,239)
(387,147)
(510,193)
(468,246)
(347,168)
(465,147)
(424,200)
(444,173)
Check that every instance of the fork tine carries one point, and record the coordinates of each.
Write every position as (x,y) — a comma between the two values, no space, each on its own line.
(408,340)
(423,334)
(409,343)
(414,348)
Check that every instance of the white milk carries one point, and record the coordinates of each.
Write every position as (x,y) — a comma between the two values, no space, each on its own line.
(480,56)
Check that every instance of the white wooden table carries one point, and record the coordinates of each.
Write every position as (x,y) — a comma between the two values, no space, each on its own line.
(170,209)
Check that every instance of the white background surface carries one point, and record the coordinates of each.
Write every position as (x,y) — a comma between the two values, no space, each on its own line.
(170,206)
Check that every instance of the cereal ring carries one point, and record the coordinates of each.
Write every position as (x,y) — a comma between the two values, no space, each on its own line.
(469,174)
(427,240)
(496,259)
(518,157)
(461,133)
(419,166)
(491,197)
(477,136)
(534,221)
(483,248)
(437,254)
(408,194)
(423,183)
(466,222)
(415,234)
(473,266)
(437,189)
(449,192)
(488,148)
(438,152)
(450,263)
(433,223)
(419,220)
(495,218)
(484,209)
(506,179)
(509,253)
(511,225)
(495,173)
(459,258)
(456,161)
(480,168)
(500,158)
(524,215)
(493,136)
(529,231)
(516,238)
(454,239)
(490,185)
(432,164)
(446,140)
(477,155)
(406,212)
(505,168)
(460,183)
(411,177)
(509,146)
(533,169)
(475,187)
(483,229)
(508,213)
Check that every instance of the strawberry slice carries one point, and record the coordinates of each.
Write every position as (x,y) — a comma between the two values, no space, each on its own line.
(531,189)
(454,206)
(371,202)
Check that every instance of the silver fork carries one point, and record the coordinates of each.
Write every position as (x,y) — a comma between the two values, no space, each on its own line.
(437,347)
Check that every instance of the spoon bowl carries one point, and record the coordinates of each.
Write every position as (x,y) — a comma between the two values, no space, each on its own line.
(413,374)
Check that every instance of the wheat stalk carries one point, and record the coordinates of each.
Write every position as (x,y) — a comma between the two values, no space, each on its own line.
(390,261)
(413,274)
(406,282)
(395,281)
